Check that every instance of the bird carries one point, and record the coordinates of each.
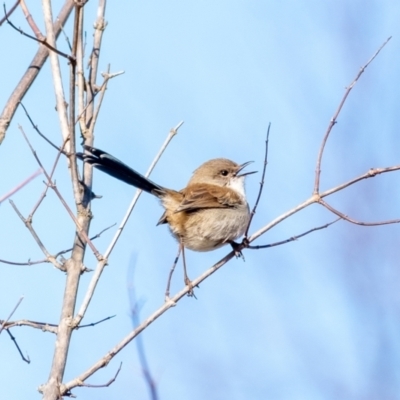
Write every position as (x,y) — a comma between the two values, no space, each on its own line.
(210,212)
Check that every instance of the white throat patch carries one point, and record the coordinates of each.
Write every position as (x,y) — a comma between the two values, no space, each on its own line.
(237,184)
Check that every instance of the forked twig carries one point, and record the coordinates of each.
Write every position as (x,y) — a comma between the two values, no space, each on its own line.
(40,38)
(52,185)
(60,253)
(28,223)
(30,75)
(35,127)
(8,14)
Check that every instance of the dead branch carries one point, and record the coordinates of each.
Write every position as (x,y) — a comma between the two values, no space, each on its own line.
(31,73)
(333,120)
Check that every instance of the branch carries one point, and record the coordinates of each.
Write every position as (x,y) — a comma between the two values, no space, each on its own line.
(253,211)
(43,326)
(11,313)
(334,118)
(31,73)
(353,221)
(293,238)
(26,359)
(28,224)
(56,71)
(153,317)
(39,37)
(316,199)
(21,185)
(8,14)
(52,185)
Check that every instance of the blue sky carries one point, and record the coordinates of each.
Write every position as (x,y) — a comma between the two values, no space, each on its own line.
(314,319)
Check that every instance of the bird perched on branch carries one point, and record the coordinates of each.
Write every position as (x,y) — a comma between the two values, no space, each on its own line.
(209,212)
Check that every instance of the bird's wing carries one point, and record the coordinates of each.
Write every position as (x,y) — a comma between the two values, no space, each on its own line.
(201,196)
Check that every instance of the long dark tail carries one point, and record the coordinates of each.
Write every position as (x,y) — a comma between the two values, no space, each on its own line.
(116,168)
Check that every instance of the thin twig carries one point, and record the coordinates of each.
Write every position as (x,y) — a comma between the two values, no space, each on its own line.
(316,199)
(35,127)
(11,314)
(26,359)
(112,380)
(100,266)
(40,39)
(52,185)
(253,211)
(43,195)
(334,118)
(102,91)
(31,73)
(65,36)
(28,224)
(353,221)
(12,9)
(95,323)
(293,238)
(21,185)
(46,260)
(135,316)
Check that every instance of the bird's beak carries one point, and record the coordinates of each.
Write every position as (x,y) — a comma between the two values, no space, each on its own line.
(242,166)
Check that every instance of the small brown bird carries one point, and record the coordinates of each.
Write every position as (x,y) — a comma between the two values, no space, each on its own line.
(208,213)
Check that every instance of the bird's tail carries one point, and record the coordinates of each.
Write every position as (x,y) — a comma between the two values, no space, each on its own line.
(116,168)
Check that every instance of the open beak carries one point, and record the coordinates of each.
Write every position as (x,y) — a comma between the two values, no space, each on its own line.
(242,166)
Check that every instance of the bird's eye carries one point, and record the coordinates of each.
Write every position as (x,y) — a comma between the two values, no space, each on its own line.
(224,172)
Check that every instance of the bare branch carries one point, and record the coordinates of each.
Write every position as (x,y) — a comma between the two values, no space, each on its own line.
(21,185)
(31,73)
(135,316)
(52,185)
(293,238)
(8,14)
(4,323)
(253,211)
(39,37)
(107,76)
(46,260)
(153,317)
(334,118)
(91,89)
(316,199)
(28,224)
(95,323)
(56,71)
(35,127)
(43,326)
(26,359)
(353,221)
